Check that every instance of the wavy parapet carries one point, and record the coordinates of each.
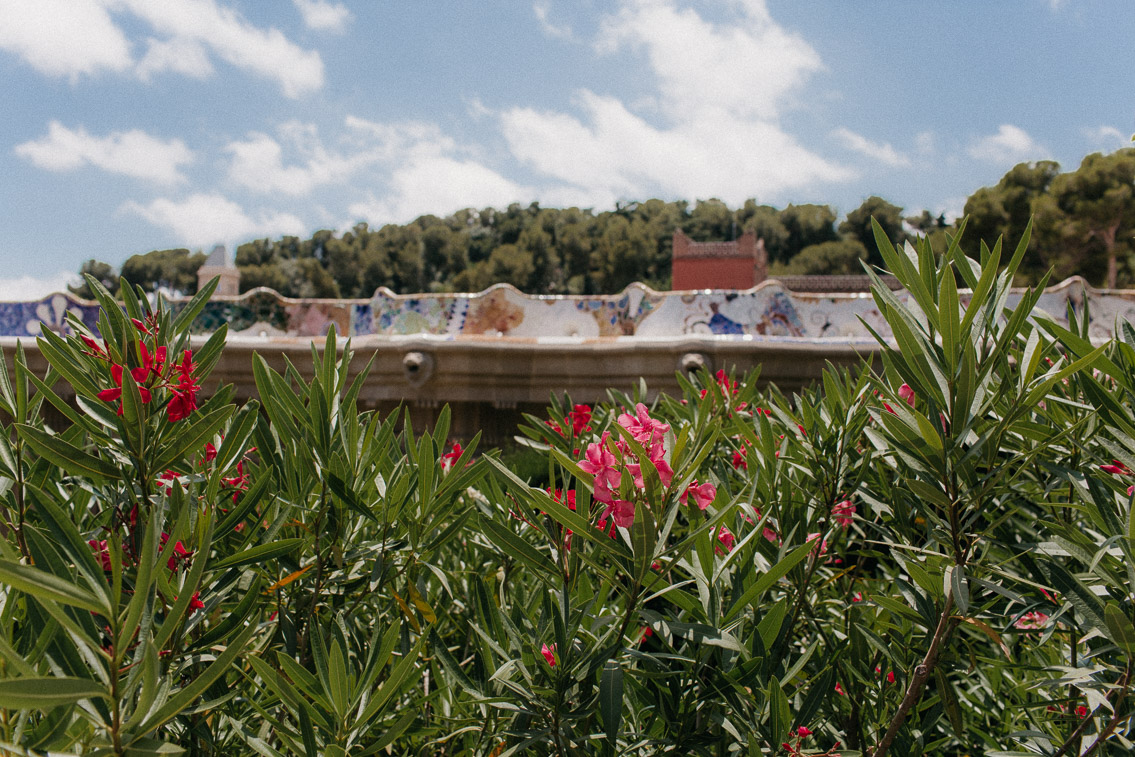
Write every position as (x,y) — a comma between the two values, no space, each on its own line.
(767,311)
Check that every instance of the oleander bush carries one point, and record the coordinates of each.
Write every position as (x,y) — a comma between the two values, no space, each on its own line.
(931,554)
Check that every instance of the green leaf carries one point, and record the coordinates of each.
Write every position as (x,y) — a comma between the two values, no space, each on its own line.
(45,586)
(258,553)
(780,713)
(152,748)
(515,547)
(1122,631)
(45,693)
(67,456)
(774,574)
(611,699)
(192,435)
(193,308)
(186,696)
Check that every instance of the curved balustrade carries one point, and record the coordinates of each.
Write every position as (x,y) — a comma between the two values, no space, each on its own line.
(768,312)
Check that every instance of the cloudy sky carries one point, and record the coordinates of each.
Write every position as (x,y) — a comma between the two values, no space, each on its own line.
(132,125)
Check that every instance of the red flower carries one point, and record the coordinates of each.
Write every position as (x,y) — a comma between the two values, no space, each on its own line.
(739,461)
(187,366)
(844,513)
(184,400)
(580,417)
(449,459)
(96,348)
(1117,468)
(180,553)
(906,393)
(803,731)
(549,654)
(102,553)
(703,494)
(195,603)
(165,480)
(891,677)
(139,374)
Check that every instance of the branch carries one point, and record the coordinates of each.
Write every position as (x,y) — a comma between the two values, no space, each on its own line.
(918,680)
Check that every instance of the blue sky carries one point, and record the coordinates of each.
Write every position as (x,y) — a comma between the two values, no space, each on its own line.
(131,125)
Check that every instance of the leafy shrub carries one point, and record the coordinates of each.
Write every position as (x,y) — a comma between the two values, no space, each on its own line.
(934,557)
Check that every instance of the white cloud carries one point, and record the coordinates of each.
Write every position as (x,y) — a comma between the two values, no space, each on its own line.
(179,55)
(720,89)
(425,171)
(880,152)
(77,37)
(130,153)
(201,220)
(63,37)
(266,52)
(925,141)
(323,15)
(1108,135)
(543,13)
(1011,144)
(258,162)
(28,288)
(441,185)
(749,66)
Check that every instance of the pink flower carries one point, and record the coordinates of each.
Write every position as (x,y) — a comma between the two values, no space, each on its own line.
(600,462)
(1031,621)
(102,553)
(803,731)
(1117,468)
(907,394)
(646,430)
(549,654)
(621,512)
(821,544)
(726,538)
(857,596)
(839,689)
(739,461)
(703,494)
(844,513)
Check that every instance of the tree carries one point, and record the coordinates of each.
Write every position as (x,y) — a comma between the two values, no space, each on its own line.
(839,258)
(807,225)
(1004,210)
(1092,211)
(766,223)
(710,220)
(104,273)
(173,270)
(858,226)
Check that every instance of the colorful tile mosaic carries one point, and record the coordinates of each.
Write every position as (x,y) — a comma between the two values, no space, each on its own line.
(767,311)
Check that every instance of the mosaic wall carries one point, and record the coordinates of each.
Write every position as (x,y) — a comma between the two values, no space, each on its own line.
(766,311)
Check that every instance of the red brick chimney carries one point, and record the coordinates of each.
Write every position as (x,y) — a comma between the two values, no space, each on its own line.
(740,264)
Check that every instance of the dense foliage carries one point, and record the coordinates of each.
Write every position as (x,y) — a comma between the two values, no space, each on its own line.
(1085,226)
(933,555)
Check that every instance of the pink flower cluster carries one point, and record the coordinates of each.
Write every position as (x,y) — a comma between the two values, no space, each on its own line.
(608,460)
